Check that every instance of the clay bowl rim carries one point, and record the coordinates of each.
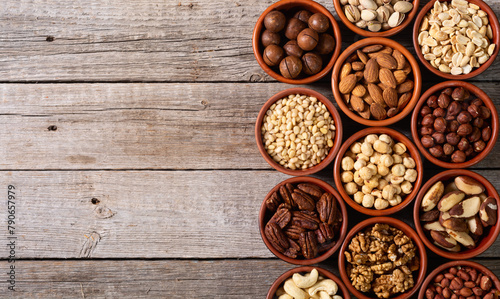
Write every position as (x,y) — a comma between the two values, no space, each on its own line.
(336,142)
(417,80)
(343,229)
(394,223)
(473,89)
(397,136)
(495,28)
(313,7)
(486,241)
(445,266)
(281,279)
(386,33)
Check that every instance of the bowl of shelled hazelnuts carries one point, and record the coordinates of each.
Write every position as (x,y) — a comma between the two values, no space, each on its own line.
(296,42)
(455,124)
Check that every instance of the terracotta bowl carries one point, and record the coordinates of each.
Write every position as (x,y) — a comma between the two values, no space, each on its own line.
(495,27)
(306,269)
(417,78)
(473,90)
(428,281)
(397,136)
(295,5)
(336,142)
(491,233)
(385,33)
(265,214)
(396,224)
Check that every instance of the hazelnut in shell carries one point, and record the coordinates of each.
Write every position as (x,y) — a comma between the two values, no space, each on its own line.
(275,21)
(319,22)
(307,39)
(294,27)
(290,67)
(273,55)
(311,63)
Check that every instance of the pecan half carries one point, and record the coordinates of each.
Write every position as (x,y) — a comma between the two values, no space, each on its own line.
(286,193)
(327,208)
(293,250)
(303,200)
(276,236)
(305,220)
(308,244)
(294,231)
(324,233)
(311,189)
(282,217)
(273,202)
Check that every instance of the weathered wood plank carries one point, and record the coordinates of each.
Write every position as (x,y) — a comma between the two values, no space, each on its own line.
(140,40)
(154,278)
(143,126)
(147,214)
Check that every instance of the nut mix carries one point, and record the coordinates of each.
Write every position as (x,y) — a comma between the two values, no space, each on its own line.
(377,172)
(462,282)
(376,15)
(305,222)
(298,131)
(309,285)
(376,82)
(381,260)
(297,44)
(457,215)
(455,126)
(455,37)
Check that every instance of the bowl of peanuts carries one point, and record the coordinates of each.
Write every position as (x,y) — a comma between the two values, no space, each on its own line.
(308,282)
(378,171)
(460,279)
(457,39)
(298,131)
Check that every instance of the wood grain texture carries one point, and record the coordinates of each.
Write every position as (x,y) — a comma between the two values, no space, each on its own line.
(149,214)
(145,126)
(141,40)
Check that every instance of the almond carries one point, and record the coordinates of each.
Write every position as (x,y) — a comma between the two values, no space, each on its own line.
(400,76)
(357,103)
(378,112)
(372,48)
(390,96)
(359,91)
(376,94)
(400,59)
(368,99)
(405,86)
(346,70)
(407,69)
(371,71)
(392,112)
(469,185)
(358,66)
(466,208)
(387,78)
(362,56)
(403,100)
(347,84)
(387,61)
(365,113)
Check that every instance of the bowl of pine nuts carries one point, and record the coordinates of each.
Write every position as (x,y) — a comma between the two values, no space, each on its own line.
(298,131)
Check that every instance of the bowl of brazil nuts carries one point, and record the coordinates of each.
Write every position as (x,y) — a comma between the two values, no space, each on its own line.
(378,171)
(376,81)
(455,124)
(303,221)
(456,39)
(298,131)
(308,282)
(376,18)
(382,257)
(456,211)
(296,41)
(464,279)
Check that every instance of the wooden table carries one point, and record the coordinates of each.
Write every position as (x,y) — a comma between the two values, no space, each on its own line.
(128,137)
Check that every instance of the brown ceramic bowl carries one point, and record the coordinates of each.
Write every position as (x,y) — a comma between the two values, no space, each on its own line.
(491,233)
(495,27)
(265,214)
(473,90)
(417,79)
(386,33)
(405,228)
(292,6)
(446,266)
(398,137)
(342,291)
(336,142)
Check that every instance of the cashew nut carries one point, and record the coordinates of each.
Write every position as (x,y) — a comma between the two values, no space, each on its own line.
(280,291)
(285,296)
(327,285)
(294,291)
(305,281)
(337,297)
(324,295)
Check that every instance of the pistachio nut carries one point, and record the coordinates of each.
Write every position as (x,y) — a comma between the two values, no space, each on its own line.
(352,13)
(383,14)
(403,6)
(354,2)
(361,24)
(368,15)
(396,19)
(374,26)
(368,4)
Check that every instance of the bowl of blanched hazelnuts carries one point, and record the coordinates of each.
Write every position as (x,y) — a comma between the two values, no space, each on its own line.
(296,42)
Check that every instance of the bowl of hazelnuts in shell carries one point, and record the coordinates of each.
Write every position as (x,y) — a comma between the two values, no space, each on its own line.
(296,42)
(455,124)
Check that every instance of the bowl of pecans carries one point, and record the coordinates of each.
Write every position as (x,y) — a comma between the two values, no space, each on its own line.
(298,131)
(303,221)
(376,82)
(457,39)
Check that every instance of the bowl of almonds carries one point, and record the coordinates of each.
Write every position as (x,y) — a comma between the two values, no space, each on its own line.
(308,282)
(456,211)
(376,82)
(303,221)
(298,131)
(376,18)
(456,39)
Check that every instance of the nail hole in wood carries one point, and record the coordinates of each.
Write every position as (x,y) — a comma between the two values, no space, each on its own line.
(50,38)
(95,201)
(52,128)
